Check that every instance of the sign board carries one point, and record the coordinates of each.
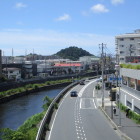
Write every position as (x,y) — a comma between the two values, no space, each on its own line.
(115,78)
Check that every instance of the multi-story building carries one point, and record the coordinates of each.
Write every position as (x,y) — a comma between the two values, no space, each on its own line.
(128,50)
(128,46)
(130,88)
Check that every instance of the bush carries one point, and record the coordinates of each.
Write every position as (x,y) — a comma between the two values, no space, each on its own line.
(47,83)
(132,115)
(27,131)
(97,87)
(129,66)
(29,86)
(55,106)
(35,86)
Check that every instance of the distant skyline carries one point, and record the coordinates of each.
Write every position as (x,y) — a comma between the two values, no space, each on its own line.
(47,26)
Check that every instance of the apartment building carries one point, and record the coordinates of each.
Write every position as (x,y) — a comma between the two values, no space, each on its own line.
(128,46)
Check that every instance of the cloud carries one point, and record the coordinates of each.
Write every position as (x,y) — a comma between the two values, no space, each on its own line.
(20,5)
(64,17)
(99,8)
(116,2)
(51,41)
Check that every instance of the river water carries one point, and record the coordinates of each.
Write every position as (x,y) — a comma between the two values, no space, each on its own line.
(15,112)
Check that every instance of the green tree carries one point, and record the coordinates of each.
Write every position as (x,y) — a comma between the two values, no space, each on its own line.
(73,53)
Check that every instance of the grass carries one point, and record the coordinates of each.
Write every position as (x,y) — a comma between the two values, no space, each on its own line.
(129,66)
(30,87)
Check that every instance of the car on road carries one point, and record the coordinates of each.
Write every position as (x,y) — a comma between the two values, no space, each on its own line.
(82,83)
(99,80)
(73,94)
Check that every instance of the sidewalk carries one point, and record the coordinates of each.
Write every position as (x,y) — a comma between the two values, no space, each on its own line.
(128,126)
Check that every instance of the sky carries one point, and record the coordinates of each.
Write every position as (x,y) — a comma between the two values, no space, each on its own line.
(47,26)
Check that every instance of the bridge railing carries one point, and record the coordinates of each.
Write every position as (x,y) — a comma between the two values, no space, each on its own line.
(47,118)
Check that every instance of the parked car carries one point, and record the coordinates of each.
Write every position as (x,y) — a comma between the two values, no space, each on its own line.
(73,94)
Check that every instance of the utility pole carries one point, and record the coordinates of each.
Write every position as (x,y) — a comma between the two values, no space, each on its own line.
(118,85)
(102,57)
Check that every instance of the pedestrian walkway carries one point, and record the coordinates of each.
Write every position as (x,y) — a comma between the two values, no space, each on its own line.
(126,125)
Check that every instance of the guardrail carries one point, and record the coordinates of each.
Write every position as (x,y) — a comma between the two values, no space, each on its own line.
(47,117)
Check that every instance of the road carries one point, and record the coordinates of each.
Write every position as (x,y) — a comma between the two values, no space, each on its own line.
(78,118)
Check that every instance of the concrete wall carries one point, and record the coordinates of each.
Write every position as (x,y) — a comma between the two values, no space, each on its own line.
(132,73)
(130,98)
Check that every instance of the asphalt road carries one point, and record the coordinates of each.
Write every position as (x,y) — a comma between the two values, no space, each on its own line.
(78,118)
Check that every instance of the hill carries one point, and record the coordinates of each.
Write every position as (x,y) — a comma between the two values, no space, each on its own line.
(72,53)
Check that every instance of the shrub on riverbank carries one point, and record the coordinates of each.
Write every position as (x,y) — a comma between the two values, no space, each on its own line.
(28,130)
(30,87)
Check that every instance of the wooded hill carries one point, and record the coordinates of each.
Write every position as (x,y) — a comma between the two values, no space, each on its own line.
(72,53)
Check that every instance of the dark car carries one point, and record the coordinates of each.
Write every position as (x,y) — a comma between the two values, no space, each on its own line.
(73,94)
(82,83)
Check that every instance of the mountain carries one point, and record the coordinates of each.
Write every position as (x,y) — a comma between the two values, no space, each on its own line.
(73,53)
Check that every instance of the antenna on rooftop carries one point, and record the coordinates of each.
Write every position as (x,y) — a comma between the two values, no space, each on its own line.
(12,55)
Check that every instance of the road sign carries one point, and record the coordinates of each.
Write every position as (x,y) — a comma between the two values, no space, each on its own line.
(115,78)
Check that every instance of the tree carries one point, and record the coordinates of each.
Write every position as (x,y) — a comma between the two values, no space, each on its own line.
(73,53)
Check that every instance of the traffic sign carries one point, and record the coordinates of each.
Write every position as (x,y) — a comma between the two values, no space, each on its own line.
(115,78)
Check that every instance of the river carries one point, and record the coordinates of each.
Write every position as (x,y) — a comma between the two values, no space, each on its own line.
(15,112)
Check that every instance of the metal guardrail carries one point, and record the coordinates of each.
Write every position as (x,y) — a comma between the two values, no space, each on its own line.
(47,117)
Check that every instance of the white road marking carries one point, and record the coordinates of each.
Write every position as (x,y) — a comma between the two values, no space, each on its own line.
(82,90)
(93,92)
(94,104)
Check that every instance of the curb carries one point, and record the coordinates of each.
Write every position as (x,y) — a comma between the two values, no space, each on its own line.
(115,126)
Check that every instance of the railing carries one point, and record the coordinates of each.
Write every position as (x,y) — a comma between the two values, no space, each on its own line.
(47,117)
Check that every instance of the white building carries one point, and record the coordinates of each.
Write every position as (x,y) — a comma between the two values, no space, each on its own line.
(128,45)
(12,73)
(89,59)
(130,88)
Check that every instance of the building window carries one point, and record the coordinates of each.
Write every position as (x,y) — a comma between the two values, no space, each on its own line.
(136,109)
(11,71)
(121,58)
(129,104)
(121,52)
(124,80)
(121,45)
(121,39)
(132,83)
(131,38)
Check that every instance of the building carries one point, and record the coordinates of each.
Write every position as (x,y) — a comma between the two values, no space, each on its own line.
(89,59)
(128,46)
(130,88)
(12,73)
(28,69)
